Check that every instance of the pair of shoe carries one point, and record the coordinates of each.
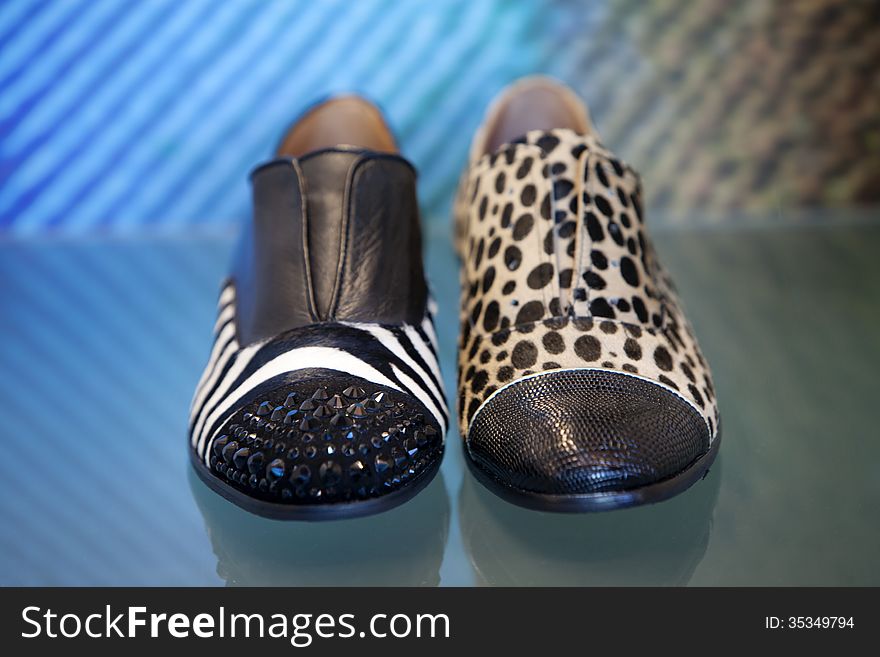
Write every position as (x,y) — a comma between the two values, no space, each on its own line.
(580,387)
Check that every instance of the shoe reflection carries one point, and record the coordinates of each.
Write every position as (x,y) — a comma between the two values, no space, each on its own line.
(655,545)
(401,547)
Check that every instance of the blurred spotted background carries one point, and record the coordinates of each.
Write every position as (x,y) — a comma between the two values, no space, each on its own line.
(744,105)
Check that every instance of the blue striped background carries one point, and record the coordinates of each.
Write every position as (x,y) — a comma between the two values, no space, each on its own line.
(124,116)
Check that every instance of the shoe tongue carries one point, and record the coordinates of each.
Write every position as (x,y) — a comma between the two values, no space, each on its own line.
(327,174)
(328,169)
(330,179)
(568,203)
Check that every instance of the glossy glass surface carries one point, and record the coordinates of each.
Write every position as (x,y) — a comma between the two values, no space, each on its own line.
(102,341)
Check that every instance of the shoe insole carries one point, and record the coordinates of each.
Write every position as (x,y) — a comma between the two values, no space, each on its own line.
(537,105)
(347,120)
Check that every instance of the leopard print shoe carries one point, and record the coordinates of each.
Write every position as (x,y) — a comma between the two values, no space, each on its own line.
(581,385)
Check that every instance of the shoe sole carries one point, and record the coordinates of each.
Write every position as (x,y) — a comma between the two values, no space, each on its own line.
(604,501)
(317,512)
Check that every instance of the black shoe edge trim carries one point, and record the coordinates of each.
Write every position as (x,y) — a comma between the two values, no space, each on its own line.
(603,501)
(317,512)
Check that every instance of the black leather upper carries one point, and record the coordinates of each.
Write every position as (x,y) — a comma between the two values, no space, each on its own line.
(334,237)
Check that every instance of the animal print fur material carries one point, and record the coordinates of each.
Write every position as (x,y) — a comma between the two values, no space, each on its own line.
(559,273)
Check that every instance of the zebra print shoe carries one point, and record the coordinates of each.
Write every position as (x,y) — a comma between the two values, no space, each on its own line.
(322,397)
(581,384)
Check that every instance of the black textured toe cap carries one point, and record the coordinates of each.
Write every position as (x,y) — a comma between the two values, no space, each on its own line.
(322,442)
(580,432)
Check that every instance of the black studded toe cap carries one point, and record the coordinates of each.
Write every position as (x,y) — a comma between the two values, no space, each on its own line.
(585,431)
(325,440)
